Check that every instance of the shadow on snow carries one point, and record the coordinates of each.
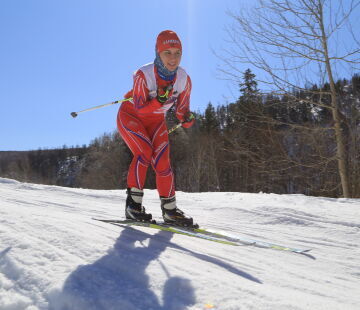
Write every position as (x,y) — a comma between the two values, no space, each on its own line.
(119,281)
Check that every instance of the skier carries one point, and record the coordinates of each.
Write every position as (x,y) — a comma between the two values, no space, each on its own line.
(141,122)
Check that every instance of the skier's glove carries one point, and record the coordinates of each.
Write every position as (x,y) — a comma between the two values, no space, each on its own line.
(163,94)
(189,120)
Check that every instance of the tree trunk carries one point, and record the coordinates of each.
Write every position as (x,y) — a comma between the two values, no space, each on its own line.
(340,149)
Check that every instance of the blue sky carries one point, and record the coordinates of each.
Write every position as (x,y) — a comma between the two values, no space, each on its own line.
(59,56)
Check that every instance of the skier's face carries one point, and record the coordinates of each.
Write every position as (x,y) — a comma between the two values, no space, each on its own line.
(171,58)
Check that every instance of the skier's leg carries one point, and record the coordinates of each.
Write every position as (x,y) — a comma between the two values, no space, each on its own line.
(135,136)
(161,161)
(165,179)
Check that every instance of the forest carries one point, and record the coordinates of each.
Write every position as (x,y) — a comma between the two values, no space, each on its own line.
(278,143)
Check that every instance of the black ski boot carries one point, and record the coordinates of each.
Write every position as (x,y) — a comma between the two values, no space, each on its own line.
(172,215)
(134,209)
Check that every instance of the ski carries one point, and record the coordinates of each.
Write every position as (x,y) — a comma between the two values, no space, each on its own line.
(206,234)
(256,243)
(191,232)
(269,245)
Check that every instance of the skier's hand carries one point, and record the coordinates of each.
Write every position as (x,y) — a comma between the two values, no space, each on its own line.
(189,120)
(163,94)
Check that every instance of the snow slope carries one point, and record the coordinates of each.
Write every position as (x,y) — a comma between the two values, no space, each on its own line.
(54,256)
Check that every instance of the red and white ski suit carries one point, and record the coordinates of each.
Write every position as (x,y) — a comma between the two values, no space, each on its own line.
(141,123)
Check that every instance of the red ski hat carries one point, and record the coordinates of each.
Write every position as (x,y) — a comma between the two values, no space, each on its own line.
(167,39)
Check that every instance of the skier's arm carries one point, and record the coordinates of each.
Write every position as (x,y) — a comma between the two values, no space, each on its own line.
(141,95)
(183,106)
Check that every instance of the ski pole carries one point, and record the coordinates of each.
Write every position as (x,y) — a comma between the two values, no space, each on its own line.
(74,114)
(180,124)
(174,128)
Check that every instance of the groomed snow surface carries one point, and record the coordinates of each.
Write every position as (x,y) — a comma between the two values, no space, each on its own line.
(54,256)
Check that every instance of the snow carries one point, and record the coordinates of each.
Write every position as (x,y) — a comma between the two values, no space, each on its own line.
(54,256)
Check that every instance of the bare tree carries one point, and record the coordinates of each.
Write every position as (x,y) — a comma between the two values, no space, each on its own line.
(293,42)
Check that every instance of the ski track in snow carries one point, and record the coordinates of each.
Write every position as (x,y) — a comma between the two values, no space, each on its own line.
(54,256)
